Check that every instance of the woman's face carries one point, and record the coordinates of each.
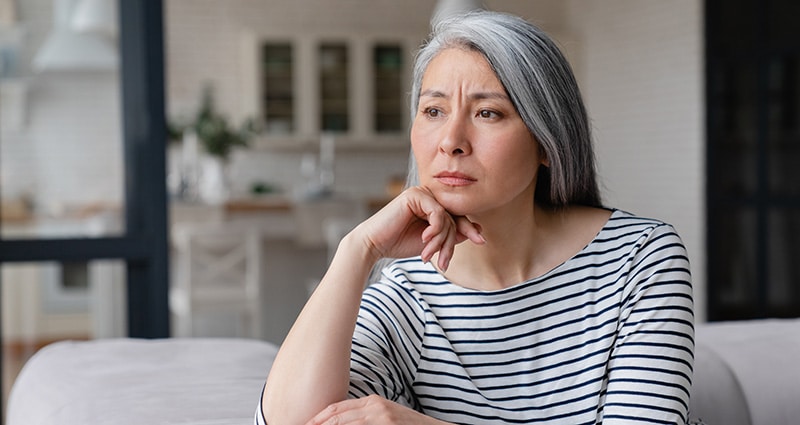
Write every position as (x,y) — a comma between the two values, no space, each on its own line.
(473,150)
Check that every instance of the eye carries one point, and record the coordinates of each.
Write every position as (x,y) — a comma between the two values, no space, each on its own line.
(488,114)
(432,112)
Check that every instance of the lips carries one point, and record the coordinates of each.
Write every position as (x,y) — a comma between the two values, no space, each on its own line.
(454,178)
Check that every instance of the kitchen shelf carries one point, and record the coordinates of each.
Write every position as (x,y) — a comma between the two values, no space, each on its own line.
(286,143)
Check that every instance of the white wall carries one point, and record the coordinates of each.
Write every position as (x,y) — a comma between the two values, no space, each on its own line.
(642,68)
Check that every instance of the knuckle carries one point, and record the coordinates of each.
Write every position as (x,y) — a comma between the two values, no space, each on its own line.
(333,409)
(374,400)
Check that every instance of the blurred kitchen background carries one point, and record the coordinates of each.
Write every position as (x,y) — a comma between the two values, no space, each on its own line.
(287,124)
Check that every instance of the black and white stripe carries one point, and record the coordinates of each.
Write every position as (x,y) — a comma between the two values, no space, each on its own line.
(605,337)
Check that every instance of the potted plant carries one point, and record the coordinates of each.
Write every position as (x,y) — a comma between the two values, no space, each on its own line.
(217,139)
(216,136)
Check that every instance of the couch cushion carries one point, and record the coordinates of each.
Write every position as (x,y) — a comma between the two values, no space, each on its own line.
(749,367)
(134,381)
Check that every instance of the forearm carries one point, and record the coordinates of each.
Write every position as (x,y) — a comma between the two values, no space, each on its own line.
(311,370)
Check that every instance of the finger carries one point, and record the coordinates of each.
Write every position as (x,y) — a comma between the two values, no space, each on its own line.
(444,244)
(426,207)
(336,412)
(430,232)
(439,224)
(436,237)
(447,249)
(464,230)
(469,230)
(438,219)
(432,246)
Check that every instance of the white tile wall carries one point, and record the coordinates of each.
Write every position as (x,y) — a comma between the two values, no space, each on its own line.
(642,63)
(75,125)
(68,152)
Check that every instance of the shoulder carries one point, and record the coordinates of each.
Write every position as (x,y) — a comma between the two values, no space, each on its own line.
(639,242)
(621,219)
(624,225)
(656,249)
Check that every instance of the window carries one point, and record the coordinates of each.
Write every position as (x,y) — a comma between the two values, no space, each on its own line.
(753,151)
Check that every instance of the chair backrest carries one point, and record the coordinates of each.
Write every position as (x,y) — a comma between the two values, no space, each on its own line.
(221,269)
(311,215)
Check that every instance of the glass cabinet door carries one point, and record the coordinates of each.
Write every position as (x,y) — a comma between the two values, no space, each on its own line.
(333,83)
(352,87)
(278,94)
(388,93)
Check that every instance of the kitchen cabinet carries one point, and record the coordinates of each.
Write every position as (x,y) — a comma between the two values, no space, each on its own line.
(353,86)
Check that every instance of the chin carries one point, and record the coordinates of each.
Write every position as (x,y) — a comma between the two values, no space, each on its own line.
(455,204)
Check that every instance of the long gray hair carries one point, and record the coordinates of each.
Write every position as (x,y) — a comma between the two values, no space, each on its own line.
(542,87)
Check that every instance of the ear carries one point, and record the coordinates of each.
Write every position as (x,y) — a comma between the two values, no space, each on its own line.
(543,157)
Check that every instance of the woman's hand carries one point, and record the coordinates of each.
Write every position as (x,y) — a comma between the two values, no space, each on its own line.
(370,410)
(415,223)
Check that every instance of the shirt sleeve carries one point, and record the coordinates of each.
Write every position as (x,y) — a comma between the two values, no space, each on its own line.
(650,369)
(259,416)
(386,341)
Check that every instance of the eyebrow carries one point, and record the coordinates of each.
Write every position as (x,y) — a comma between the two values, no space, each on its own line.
(474,96)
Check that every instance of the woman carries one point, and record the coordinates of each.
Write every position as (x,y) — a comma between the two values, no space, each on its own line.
(516,298)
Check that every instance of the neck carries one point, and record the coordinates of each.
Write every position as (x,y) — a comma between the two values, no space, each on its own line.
(513,251)
(520,247)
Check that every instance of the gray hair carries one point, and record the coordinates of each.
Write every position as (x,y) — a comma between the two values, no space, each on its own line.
(542,87)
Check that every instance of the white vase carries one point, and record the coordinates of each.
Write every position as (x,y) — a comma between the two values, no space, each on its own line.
(214,182)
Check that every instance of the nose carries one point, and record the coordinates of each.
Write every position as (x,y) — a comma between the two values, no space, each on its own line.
(455,138)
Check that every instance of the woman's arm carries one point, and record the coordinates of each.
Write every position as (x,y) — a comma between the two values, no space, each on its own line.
(311,370)
(650,369)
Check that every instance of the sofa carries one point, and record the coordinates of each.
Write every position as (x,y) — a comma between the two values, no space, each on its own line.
(746,373)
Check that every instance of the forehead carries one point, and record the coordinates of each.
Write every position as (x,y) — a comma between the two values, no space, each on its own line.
(460,66)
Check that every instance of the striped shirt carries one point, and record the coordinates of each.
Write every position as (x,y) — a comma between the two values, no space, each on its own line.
(606,337)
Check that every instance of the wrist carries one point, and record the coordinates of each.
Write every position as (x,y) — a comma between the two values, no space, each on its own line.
(358,247)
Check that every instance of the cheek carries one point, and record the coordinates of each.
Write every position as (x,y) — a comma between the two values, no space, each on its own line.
(515,167)
(421,147)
